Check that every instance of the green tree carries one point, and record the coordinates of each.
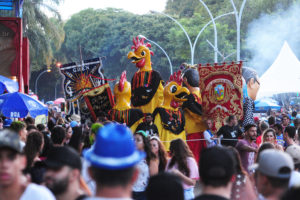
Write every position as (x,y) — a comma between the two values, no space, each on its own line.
(109,33)
(42,31)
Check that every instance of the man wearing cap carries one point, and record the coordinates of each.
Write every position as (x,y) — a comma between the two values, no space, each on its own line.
(272,174)
(294,152)
(13,184)
(113,161)
(62,176)
(217,172)
(75,118)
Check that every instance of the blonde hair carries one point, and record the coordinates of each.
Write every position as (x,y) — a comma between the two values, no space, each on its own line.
(264,135)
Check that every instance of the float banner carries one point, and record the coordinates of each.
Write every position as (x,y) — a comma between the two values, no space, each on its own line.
(221,91)
(79,78)
(99,100)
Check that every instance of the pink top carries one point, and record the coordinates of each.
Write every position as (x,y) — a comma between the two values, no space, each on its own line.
(192,165)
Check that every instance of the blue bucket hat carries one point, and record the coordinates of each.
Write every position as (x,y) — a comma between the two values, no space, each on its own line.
(114,148)
(73,124)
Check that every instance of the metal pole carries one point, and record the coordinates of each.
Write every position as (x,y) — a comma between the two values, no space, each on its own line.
(238,19)
(215,30)
(224,58)
(186,34)
(55,92)
(170,63)
(214,48)
(204,27)
(38,79)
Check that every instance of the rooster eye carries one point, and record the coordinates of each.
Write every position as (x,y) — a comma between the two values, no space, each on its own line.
(143,53)
(173,88)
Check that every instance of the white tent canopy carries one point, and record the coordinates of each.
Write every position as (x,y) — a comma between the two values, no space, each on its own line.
(283,76)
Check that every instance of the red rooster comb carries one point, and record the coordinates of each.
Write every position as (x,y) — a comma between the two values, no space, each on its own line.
(140,42)
(122,81)
(176,77)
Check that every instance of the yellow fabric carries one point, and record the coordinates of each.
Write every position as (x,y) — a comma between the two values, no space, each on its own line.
(122,97)
(166,135)
(135,125)
(155,102)
(193,122)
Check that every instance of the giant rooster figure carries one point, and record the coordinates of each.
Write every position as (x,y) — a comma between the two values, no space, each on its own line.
(147,88)
(170,121)
(122,112)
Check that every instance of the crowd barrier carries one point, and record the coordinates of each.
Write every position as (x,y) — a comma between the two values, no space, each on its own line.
(217,139)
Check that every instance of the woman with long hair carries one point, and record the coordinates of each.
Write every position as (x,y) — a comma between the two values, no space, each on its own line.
(32,151)
(147,167)
(242,188)
(77,139)
(33,147)
(183,164)
(69,132)
(269,135)
(159,150)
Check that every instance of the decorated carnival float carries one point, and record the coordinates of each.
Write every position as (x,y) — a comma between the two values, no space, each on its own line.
(179,107)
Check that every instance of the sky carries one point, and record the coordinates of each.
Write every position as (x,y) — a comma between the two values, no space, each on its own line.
(70,7)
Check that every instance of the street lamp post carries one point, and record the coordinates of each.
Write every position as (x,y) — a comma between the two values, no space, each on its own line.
(204,27)
(215,30)
(238,18)
(55,91)
(170,63)
(186,34)
(193,46)
(36,81)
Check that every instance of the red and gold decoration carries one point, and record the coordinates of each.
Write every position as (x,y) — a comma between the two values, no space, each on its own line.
(221,90)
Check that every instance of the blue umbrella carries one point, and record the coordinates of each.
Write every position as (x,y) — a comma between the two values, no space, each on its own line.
(19,105)
(266,105)
(8,85)
(49,102)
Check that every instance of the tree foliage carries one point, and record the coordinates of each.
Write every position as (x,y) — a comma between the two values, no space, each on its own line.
(43,32)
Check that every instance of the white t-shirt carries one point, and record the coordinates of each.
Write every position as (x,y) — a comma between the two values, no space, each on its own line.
(22,144)
(86,177)
(209,142)
(144,175)
(37,192)
(295,179)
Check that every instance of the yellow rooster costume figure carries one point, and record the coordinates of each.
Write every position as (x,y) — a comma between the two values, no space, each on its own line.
(170,121)
(122,112)
(147,88)
(195,125)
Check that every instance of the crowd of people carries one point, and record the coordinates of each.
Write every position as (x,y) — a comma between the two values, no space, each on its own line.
(71,159)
